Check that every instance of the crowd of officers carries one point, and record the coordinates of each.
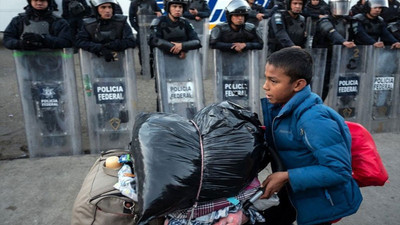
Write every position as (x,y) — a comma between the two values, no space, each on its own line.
(101,28)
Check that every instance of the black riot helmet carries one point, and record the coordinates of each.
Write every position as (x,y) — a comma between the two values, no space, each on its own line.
(374,3)
(237,7)
(167,4)
(97,3)
(52,5)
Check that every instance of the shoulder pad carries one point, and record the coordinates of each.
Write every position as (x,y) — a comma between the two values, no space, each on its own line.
(22,14)
(224,26)
(119,17)
(155,22)
(249,26)
(89,20)
(301,18)
(359,17)
(381,19)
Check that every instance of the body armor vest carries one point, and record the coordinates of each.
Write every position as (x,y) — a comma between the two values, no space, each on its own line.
(36,27)
(243,35)
(103,31)
(372,27)
(296,29)
(175,32)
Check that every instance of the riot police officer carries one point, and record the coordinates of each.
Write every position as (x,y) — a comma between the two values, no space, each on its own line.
(106,31)
(197,10)
(236,35)
(37,28)
(172,33)
(368,28)
(357,8)
(332,30)
(287,28)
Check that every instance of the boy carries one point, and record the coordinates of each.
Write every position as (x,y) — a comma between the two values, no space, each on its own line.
(312,140)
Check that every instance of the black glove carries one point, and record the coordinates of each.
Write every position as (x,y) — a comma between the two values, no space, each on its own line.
(107,54)
(26,45)
(32,37)
(114,45)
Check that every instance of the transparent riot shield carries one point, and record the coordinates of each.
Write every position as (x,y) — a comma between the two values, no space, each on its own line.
(350,84)
(47,86)
(110,99)
(263,29)
(319,56)
(179,83)
(384,71)
(202,29)
(144,22)
(237,78)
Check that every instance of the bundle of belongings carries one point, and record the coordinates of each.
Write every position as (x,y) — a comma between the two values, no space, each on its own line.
(195,171)
(189,169)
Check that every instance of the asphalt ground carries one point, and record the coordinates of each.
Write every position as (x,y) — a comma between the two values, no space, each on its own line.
(42,190)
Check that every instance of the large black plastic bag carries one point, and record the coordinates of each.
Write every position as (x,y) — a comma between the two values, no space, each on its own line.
(168,160)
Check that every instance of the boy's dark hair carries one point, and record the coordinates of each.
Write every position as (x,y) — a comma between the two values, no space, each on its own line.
(297,63)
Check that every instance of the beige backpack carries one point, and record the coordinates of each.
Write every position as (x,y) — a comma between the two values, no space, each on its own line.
(98,202)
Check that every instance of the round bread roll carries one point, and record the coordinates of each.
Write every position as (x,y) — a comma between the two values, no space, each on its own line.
(112,162)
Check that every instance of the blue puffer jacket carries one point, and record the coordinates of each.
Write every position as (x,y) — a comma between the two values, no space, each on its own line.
(314,144)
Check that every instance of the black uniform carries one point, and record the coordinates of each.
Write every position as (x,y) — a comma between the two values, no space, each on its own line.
(44,30)
(97,34)
(222,36)
(163,31)
(256,9)
(74,11)
(286,31)
(330,31)
(392,13)
(368,31)
(202,7)
(141,7)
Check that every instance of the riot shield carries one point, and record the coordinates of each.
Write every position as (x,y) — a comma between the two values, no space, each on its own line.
(385,74)
(237,78)
(263,29)
(47,86)
(144,22)
(202,29)
(319,56)
(179,83)
(350,84)
(110,99)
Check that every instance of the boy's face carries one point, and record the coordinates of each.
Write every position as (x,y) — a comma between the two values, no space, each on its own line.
(277,86)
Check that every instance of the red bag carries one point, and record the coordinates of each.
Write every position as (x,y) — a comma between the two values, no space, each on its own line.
(368,169)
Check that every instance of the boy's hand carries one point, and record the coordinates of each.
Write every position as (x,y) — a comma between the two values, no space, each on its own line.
(274,183)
